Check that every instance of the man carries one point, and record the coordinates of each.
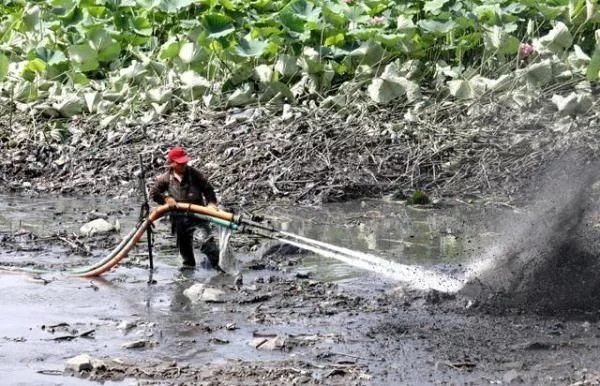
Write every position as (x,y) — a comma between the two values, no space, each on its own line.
(183,183)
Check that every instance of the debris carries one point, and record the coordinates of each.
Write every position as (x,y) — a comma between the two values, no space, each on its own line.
(512,376)
(218,341)
(79,363)
(126,325)
(231,326)
(200,293)
(269,344)
(97,226)
(142,343)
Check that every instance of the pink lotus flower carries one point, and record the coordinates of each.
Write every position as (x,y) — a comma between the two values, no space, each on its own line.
(525,50)
(379,20)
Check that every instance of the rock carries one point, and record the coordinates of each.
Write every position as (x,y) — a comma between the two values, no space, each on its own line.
(97,226)
(511,377)
(79,363)
(278,248)
(200,293)
(269,344)
(142,343)
(126,325)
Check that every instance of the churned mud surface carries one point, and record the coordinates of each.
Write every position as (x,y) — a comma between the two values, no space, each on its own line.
(294,318)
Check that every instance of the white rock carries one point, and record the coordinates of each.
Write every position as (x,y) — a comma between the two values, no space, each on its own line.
(79,363)
(200,293)
(270,344)
(126,325)
(97,226)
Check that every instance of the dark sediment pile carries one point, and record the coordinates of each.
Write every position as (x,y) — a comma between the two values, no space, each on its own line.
(547,260)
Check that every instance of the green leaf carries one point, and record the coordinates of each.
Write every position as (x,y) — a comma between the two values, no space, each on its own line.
(369,53)
(434,6)
(217,25)
(170,49)
(300,15)
(287,65)
(110,52)
(539,74)
(74,16)
(578,59)
(142,26)
(241,96)
(382,91)
(335,40)
(3,66)
(251,48)
(191,79)
(263,73)
(593,69)
(32,68)
(335,14)
(36,65)
(189,53)
(69,106)
(84,57)
(92,99)
(79,78)
(303,9)
(461,89)
(497,40)
(50,56)
(107,48)
(32,17)
(405,24)
(173,6)
(437,26)
(558,39)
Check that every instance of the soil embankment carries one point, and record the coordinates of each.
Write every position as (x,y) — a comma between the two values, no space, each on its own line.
(315,156)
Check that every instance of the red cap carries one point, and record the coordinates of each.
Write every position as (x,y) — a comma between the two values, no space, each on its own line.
(178,155)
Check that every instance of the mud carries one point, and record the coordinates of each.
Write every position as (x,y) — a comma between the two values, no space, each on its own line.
(295,319)
(546,258)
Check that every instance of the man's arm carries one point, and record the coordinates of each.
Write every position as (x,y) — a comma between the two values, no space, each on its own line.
(206,188)
(160,186)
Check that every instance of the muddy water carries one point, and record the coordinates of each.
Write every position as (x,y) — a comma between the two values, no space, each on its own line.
(33,308)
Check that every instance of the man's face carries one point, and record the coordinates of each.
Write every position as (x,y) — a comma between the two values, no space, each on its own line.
(177,168)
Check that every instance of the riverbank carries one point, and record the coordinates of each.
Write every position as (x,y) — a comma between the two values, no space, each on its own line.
(310,156)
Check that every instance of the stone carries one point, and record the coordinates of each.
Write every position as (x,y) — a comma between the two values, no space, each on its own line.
(126,325)
(512,377)
(268,344)
(79,363)
(97,226)
(200,293)
(142,343)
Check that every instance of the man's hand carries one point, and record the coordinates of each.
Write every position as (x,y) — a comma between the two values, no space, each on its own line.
(213,205)
(170,201)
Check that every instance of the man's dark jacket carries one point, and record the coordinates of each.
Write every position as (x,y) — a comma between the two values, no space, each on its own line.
(194,188)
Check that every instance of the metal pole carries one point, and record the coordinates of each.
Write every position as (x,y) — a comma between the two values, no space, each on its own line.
(145,211)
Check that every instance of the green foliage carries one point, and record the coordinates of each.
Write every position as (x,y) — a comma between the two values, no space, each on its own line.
(3,66)
(418,198)
(213,50)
